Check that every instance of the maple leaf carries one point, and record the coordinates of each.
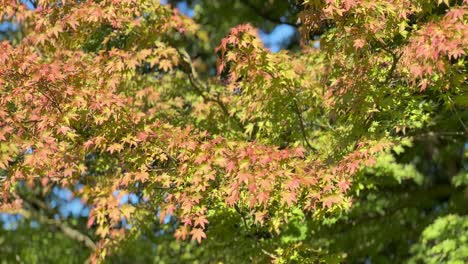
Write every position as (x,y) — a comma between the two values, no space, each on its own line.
(200,221)
(289,197)
(73,24)
(63,130)
(243,177)
(455,14)
(88,144)
(329,201)
(348,4)
(230,166)
(299,151)
(353,166)
(344,185)
(90,221)
(232,198)
(423,84)
(142,136)
(166,65)
(260,217)
(142,176)
(115,147)
(359,43)
(181,233)
(263,197)
(198,234)
(293,184)
(68,172)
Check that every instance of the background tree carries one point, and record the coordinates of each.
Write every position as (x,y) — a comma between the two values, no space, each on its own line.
(132,133)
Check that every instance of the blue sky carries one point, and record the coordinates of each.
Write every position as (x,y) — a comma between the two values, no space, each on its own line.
(277,37)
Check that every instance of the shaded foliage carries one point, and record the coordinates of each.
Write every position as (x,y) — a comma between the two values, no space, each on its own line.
(186,140)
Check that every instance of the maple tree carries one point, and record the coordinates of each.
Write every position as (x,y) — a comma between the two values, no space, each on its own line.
(223,143)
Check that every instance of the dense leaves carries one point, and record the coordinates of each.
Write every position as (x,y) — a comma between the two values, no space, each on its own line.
(291,154)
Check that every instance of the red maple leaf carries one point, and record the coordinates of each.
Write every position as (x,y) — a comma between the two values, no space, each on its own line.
(230,166)
(344,185)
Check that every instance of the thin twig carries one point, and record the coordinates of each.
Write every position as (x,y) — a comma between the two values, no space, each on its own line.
(460,119)
(301,120)
(268,254)
(200,89)
(242,216)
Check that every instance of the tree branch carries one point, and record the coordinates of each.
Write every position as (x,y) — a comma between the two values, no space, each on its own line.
(459,119)
(395,59)
(301,120)
(238,210)
(66,229)
(201,90)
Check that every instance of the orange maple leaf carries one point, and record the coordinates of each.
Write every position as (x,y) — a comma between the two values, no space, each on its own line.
(198,234)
